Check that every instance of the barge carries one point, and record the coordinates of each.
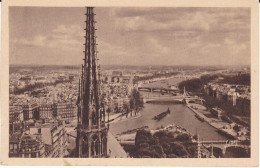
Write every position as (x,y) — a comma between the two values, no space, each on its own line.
(161,115)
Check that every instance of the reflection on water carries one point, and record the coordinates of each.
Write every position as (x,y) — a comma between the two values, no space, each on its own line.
(180,115)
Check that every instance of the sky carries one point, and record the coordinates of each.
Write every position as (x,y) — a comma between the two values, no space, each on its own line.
(132,36)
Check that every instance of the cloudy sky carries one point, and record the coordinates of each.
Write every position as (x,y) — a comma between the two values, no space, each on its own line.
(132,36)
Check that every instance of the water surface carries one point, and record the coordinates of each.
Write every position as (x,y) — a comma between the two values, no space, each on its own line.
(180,114)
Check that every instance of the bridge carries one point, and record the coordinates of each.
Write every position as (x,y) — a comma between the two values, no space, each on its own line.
(223,145)
(226,142)
(158,89)
(184,98)
(192,99)
(179,99)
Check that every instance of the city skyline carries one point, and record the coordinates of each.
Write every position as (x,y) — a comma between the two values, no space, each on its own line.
(133,110)
(125,34)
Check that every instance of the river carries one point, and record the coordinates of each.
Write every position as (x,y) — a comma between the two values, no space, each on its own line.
(180,114)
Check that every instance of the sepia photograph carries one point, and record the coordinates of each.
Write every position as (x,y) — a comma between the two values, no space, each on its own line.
(130,82)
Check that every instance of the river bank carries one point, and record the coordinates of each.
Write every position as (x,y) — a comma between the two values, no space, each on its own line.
(114,118)
(225,128)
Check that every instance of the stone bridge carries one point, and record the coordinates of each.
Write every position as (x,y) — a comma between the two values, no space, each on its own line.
(158,89)
(223,145)
(178,99)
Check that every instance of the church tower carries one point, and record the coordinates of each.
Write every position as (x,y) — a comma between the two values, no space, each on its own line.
(91,138)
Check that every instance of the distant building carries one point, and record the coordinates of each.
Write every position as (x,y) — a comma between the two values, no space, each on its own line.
(217,112)
(62,78)
(232,97)
(173,87)
(12,88)
(126,79)
(71,77)
(24,81)
(39,79)
(117,73)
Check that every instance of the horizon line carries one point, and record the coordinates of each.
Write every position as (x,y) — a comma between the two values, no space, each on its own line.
(123,65)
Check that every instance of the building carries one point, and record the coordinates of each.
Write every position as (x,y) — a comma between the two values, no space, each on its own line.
(54,110)
(39,79)
(232,97)
(53,135)
(24,81)
(46,111)
(66,111)
(26,146)
(217,112)
(14,144)
(15,118)
(206,89)
(71,77)
(243,104)
(15,114)
(126,79)
(116,73)
(12,89)
(31,111)
(62,78)
(47,139)
(236,95)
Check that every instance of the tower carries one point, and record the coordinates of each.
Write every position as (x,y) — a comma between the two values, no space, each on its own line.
(91,138)
(212,152)
(199,146)
(184,92)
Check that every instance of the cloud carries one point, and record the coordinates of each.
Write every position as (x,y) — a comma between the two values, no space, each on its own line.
(171,33)
(210,47)
(139,36)
(111,54)
(62,37)
(236,47)
(190,23)
(186,19)
(157,47)
(38,40)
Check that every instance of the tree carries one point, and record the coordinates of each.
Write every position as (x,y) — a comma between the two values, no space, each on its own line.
(236,128)
(163,144)
(136,101)
(126,109)
(196,85)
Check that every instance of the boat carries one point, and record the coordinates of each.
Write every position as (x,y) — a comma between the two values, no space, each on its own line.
(162,115)
(222,132)
(163,81)
(199,117)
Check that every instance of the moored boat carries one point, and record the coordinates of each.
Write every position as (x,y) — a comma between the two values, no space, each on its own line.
(199,117)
